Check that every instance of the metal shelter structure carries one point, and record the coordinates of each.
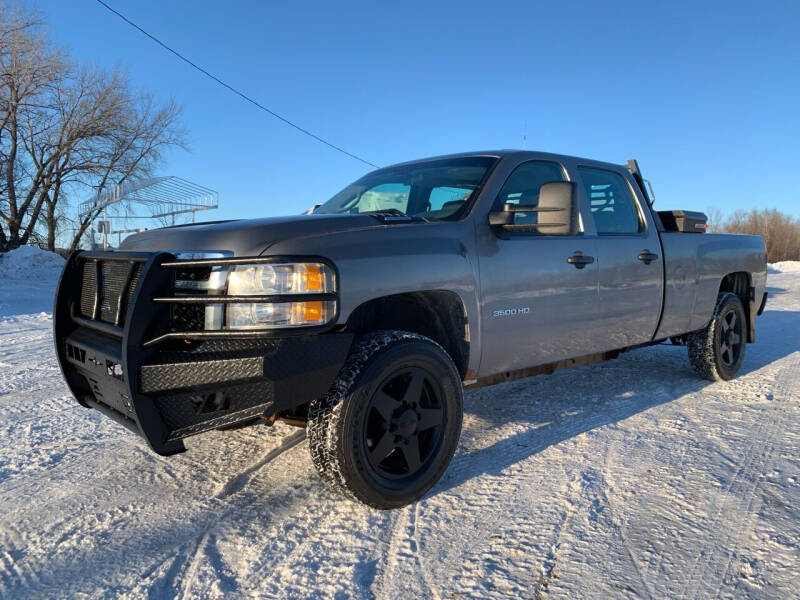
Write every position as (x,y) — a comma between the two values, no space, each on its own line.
(154,198)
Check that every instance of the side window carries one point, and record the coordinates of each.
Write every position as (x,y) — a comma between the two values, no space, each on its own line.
(613,206)
(445,201)
(522,187)
(384,197)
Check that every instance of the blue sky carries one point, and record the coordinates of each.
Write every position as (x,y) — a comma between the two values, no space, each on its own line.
(706,95)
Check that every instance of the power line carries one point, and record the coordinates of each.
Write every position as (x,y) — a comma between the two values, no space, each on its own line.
(234,90)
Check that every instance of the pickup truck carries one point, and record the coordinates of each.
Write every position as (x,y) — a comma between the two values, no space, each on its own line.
(365,320)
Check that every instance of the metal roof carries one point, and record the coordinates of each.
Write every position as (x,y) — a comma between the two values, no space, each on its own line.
(161,196)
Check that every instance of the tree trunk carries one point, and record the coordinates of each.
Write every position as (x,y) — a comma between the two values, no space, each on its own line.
(81,230)
(51,225)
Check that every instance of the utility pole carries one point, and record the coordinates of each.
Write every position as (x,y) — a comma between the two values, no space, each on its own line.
(105,228)
(97,189)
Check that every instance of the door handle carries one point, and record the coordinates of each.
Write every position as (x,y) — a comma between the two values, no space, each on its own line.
(647,257)
(580,260)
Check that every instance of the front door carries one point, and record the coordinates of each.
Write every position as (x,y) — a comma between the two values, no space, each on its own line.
(537,307)
(631,268)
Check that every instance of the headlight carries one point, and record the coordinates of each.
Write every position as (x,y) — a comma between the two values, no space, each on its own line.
(271,315)
(283,279)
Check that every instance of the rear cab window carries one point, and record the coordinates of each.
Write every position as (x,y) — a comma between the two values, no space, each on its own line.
(613,205)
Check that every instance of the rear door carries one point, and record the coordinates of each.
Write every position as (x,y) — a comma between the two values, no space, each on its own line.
(631,268)
(536,307)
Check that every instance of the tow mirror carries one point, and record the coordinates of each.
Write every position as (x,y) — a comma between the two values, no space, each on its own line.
(555,211)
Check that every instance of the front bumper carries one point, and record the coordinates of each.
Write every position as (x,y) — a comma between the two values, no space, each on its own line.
(129,363)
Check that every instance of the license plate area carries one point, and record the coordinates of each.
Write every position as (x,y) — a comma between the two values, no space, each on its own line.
(102,369)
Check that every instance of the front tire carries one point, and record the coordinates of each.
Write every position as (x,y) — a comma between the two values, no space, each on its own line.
(386,431)
(717,351)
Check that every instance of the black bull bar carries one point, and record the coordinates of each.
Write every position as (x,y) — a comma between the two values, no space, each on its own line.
(120,352)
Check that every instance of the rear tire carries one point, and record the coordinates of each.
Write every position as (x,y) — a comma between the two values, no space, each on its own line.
(717,351)
(386,431)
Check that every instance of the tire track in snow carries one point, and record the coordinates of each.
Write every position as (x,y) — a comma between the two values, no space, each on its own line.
(187,581)
(712,547)
(240,481)
(322,541)
(717,554)
(11,571)
(637,566)
(786,387)
(184,578)
(416,550)
(404,547)
(648,451)
(573,501)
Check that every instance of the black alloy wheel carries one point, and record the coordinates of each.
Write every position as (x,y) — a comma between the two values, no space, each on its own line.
(403,424)
(731,337)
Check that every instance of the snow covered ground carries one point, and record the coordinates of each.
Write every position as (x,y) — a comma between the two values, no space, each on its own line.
(627,479)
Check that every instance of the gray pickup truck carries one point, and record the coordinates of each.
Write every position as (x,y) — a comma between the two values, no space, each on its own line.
(364,320)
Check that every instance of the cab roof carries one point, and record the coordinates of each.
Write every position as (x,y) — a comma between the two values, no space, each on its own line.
(520,154)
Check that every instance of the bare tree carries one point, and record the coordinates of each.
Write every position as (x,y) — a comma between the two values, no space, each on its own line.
(781,232)
(27,69)
(65,130)
(716,220)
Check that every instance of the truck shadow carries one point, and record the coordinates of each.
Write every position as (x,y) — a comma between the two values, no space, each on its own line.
(775,291)
(552,409)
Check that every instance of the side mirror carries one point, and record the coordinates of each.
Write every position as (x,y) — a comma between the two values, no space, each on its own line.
(555,209)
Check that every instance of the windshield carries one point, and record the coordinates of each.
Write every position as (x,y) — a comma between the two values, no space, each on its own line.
(436,190)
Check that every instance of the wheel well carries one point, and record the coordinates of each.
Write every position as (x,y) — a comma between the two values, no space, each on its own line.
(739,284)
(439,315)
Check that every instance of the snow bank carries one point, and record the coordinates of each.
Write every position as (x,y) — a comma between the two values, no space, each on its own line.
(29,263)
(786,266)
(28,278)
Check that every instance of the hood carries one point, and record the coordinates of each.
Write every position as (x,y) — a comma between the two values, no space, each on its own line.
(246,237)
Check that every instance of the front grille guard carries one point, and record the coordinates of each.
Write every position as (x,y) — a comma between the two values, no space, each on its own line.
(227,299)
(136,331)
(143,269)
